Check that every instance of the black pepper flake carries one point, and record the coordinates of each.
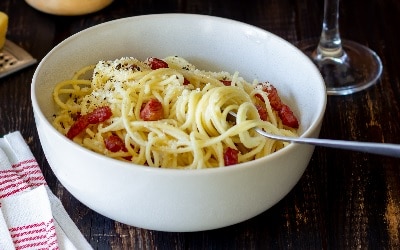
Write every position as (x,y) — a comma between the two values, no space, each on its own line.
(134,67)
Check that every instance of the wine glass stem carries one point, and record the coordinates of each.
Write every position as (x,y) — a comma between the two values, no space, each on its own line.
(330,44)
(346,66)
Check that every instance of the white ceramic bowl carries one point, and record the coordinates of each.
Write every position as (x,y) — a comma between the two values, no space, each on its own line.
(181,200)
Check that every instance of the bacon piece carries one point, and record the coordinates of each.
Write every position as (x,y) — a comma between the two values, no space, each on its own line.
(273,96)
(231,156)
(77,127)
(262,111)
(284,111)
(156,63)
(96,116)
(99,115)
(186,81)
(115,144)
(287,117)
(226,82)
(152,111)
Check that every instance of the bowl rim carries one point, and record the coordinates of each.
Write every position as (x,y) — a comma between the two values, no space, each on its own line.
(315,123)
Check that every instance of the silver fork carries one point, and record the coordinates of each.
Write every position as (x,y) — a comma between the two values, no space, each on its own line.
(387,149)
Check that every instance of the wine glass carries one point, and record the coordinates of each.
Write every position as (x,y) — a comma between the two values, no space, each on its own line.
(347,66)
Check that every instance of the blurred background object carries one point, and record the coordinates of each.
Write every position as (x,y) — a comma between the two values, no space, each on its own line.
(12,56)
(69,7)
(3,28)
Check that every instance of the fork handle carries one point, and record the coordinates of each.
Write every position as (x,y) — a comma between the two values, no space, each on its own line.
(387,149)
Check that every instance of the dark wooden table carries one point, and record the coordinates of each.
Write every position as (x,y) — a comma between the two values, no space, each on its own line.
(344,200)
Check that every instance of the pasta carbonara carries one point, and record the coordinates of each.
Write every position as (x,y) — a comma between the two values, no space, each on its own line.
(167,113)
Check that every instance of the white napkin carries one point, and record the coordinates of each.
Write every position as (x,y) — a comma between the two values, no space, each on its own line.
(31,216)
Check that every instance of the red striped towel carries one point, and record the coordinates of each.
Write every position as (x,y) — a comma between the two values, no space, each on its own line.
(31,216)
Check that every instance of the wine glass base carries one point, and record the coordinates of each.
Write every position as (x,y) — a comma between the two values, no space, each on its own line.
(359,69)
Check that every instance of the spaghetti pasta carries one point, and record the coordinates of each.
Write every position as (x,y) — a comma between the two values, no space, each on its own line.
(167,113)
